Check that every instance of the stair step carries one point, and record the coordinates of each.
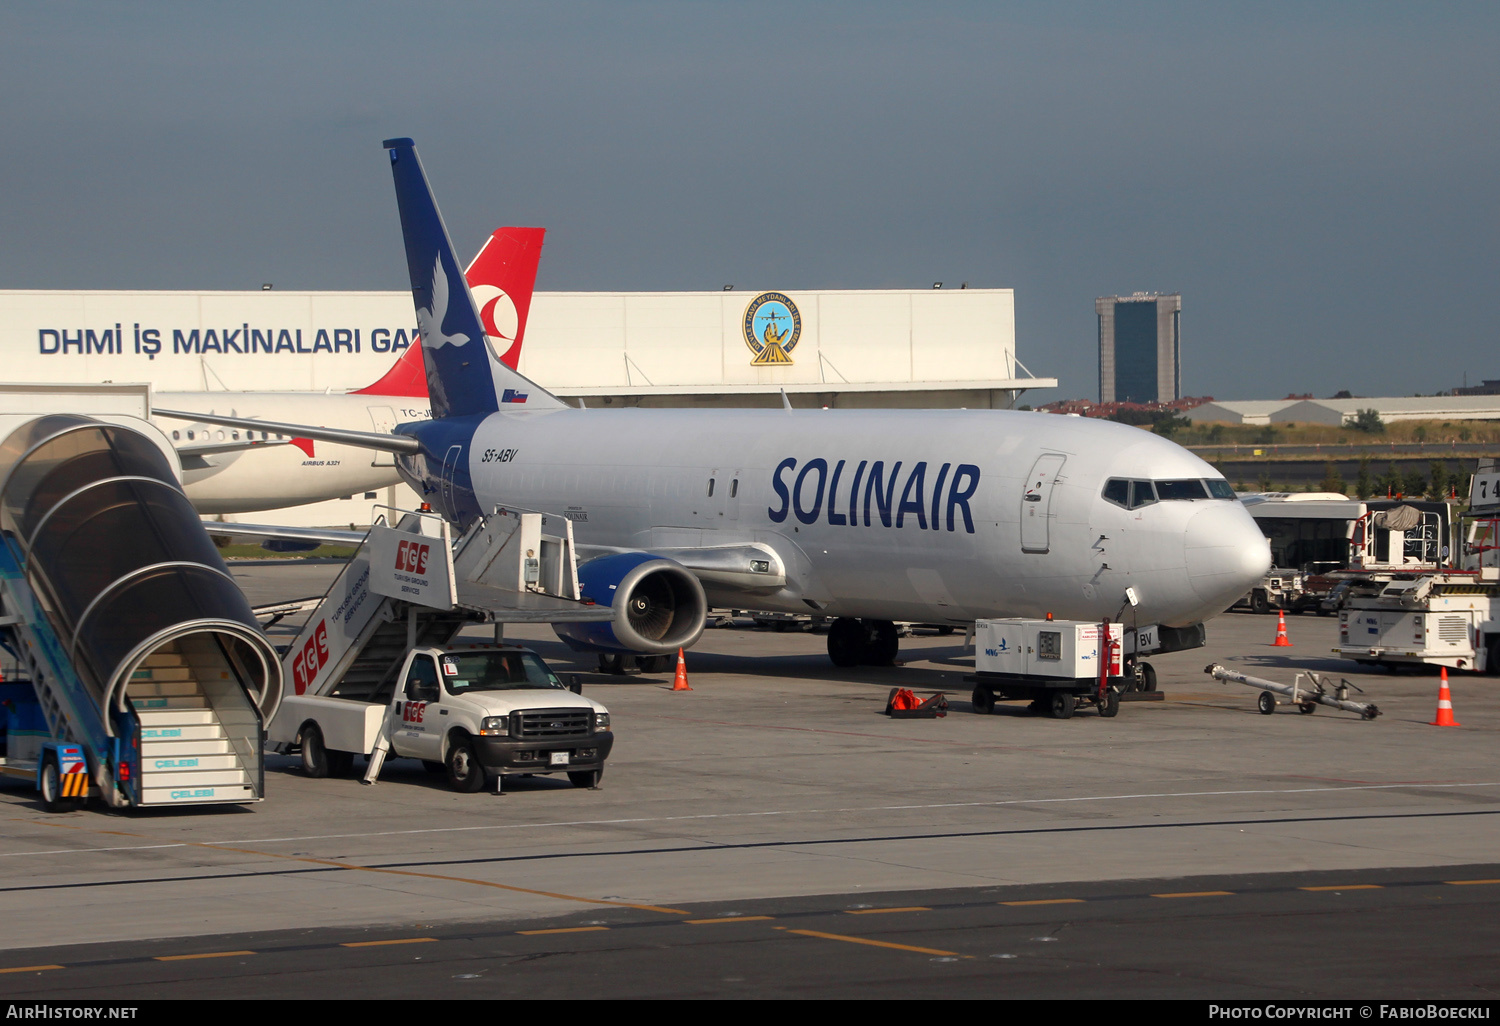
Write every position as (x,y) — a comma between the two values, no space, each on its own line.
(208,731)
(162,673)
(153,765)
(156,659)
(164,687)
(197,795)
(160,702)
(195,778)
(175,717)
(174,748)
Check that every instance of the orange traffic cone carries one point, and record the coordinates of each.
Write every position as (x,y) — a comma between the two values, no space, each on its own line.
(680,683)
(1282,641)
(1445,706)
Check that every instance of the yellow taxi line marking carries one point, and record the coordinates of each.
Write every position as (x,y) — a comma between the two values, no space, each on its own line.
(380,943)
(1193,894)
(205,954)
(30,968)
(1345,887)
(1046,901)
(877,911)
(729,919)
(445,878)
(566,929)
(1461,883)
(875,943)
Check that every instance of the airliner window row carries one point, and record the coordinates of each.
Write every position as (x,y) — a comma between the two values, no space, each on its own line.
(1135,494)
(250,435)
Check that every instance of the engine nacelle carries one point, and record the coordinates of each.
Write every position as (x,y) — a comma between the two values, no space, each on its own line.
(658,604)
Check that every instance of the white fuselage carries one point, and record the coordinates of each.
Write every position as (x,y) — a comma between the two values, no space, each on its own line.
(947,542)
(284,475)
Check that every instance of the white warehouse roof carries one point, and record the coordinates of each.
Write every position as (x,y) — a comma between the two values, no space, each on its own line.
(1437,407)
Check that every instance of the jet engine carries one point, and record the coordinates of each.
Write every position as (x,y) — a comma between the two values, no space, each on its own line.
(658,605)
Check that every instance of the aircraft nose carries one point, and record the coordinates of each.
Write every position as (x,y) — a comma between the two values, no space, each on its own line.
(1226,553)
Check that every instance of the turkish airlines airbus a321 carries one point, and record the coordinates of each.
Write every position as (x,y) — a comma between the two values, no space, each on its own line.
(869,516)
(243,470)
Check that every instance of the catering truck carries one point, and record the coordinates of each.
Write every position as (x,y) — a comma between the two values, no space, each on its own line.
(1450,618)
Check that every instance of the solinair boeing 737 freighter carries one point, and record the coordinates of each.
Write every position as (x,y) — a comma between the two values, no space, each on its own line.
(868,516)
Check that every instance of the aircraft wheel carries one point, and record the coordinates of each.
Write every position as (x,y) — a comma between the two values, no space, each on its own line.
(1062,706)
(983,700)
(883,643)
(464,770)
(846,642)
(1111,704)
(1267,703)
(587,778)
(1148,677)
(611,662)
(1038,706)
(314,755)
(944,630)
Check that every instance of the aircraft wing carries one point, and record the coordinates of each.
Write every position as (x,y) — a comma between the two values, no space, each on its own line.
(340,436)
(260,532)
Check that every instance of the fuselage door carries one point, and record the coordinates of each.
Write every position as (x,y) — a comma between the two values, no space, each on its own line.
(384,419)
(1036,503)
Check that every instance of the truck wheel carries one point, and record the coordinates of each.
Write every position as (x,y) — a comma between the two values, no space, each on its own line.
(1267,703)
(52,799)
(1111,705)
(1307,708)
(983,700)
(1062,706)
(586,778)
(1259,603)
(1492,656)
(464,770)
(314,755)
(845,642)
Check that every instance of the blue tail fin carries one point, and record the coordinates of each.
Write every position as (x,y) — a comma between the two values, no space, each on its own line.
(463,376)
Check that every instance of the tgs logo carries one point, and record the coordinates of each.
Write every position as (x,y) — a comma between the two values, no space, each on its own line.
(311,659)
(411,557)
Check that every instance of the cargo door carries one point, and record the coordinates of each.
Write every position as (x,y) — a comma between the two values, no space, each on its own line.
(384,420)
(1036,503)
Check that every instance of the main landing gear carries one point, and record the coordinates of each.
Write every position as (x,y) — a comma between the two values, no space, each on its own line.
(854,642)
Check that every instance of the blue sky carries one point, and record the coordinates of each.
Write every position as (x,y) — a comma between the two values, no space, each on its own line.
(1318,180)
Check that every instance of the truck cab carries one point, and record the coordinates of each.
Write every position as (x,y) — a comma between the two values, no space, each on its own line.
(476,712)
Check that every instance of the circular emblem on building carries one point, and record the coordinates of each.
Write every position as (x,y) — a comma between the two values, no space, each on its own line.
(772,327)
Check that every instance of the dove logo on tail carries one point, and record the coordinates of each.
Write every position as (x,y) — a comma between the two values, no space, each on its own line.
(501,278)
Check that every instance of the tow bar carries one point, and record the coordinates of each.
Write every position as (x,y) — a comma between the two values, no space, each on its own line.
(1306,698)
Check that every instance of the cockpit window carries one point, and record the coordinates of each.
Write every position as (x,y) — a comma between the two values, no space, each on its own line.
(1135,494)
(1191,488)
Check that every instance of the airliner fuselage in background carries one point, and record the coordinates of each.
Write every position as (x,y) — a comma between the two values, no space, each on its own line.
(869,516)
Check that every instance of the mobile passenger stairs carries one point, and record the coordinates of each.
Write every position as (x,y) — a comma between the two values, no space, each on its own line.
(137,672)
(410,585)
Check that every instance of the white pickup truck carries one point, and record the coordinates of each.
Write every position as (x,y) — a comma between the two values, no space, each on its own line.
(475,712)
